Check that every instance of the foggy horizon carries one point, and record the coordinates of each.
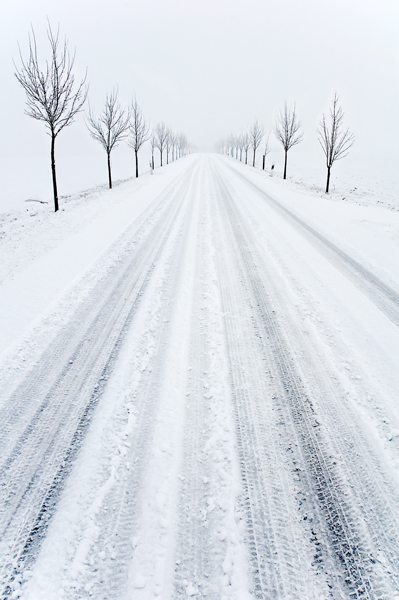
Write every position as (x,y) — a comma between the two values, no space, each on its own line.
(210,69)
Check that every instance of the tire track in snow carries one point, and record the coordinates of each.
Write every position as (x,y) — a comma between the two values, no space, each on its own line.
(209,560)
(350,535)
(140,506)
(280,556)
(123,509)
(379,292)
(192,564)
(61,392)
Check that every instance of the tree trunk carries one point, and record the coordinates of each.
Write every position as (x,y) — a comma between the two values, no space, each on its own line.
(263,163)
(246,156)
(161,157)
(54,174)
(109,170)
(285,165)
(253,162)
(328,179)
(137,162)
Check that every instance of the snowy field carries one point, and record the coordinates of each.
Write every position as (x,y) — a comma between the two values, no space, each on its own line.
(200,374)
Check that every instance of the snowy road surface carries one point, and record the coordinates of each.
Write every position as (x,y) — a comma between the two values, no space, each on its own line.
(210,409)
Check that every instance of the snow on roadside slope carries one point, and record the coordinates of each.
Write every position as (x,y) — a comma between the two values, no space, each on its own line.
(369,233)
(44,253)
(350,183)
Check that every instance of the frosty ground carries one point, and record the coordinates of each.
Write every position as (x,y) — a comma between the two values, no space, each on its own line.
(200,375)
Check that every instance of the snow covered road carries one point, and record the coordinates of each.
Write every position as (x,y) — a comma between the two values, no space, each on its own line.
(213,413)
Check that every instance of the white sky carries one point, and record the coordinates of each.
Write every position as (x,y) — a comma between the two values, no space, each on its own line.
(210,67)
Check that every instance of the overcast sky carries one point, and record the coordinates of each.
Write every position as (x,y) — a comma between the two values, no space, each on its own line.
(210,67)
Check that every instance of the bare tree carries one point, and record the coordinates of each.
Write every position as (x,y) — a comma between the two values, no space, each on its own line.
(234,145)
(256,133)
(240,144)
(161,135)
(172,143)
(153,143)
(246,142)
(286,132)
(233,142)
(110,128)
(176,146)
(267,149)
(182,144)
(237,145)
(168,144)
(175,138)
(52,96)
(230,145)
(139,130)
(334,141)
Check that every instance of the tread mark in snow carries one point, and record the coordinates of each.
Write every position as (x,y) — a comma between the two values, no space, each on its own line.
(61,400)
(345,539)
(119,528)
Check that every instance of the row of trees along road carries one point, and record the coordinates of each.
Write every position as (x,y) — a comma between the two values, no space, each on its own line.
(174,145)
(53,96)
(334,140)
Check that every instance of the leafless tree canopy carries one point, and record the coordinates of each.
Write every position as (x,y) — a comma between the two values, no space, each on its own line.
(139,131)
(256,133)
(240,144)
(168,144)
(267,144)
(233,145)
(50,92)
(153,143)
(287,128)
(286,131)
(334,141)
(161,135)
(182,144)
(52,96)
(246,143)
(173,144)
(267,148)
(139,128)
(165,140)
(110,128)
